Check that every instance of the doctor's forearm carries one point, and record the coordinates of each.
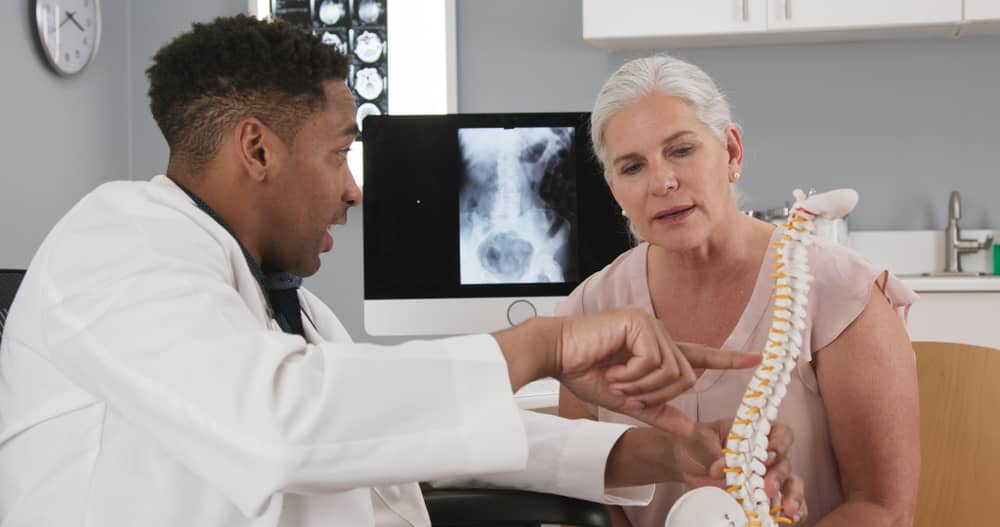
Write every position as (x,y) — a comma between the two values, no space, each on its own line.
(640,457)
(530,349)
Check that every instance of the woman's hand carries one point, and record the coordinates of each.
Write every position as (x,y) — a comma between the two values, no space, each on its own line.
(699,458)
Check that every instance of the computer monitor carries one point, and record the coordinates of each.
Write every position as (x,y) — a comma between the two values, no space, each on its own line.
(476,222)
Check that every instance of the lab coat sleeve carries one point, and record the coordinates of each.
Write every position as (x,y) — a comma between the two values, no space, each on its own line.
(566,457)
(152,326)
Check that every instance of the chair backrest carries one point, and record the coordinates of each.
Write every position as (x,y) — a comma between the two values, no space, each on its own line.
(10,280)
(959,434)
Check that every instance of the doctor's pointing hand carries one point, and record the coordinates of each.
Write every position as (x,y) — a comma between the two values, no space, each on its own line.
(622,360)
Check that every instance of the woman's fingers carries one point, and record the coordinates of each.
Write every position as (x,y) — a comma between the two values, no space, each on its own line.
(780,439)
(777,474)
(793,499)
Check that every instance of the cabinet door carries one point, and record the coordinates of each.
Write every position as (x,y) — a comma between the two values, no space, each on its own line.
(649,19)
(969,318)
(849,14)
(982,10)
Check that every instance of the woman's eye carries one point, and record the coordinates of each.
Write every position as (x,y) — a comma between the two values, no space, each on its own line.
(631,169)
(684,151)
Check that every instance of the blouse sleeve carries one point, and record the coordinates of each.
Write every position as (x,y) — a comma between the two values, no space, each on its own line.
(606,289)
(842,288)
(620,283)
(572,304)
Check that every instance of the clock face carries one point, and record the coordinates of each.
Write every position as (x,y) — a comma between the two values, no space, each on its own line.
(69,31)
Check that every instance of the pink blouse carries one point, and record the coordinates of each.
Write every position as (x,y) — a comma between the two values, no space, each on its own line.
(841,290)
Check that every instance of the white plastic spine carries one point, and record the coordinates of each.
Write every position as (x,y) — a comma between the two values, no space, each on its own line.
(746,447)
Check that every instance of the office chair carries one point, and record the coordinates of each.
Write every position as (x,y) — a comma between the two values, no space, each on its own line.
(959,434)
(10,280)
(510,508)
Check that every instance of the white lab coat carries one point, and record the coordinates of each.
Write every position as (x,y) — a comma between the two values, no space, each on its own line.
(143,383)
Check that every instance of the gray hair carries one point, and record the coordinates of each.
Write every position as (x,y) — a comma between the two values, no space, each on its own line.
(658,74)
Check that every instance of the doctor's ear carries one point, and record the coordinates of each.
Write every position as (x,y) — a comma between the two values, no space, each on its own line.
(254,140)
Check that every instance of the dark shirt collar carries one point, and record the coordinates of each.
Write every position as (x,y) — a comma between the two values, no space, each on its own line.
(273,283)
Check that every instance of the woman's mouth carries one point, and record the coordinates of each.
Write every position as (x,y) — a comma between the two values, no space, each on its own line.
(674,214)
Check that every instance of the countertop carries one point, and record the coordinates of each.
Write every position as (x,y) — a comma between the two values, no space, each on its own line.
(949,284)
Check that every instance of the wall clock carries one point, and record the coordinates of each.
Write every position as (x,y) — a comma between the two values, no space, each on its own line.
(69,32)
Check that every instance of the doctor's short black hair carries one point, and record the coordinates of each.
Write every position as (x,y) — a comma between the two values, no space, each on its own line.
(208,79)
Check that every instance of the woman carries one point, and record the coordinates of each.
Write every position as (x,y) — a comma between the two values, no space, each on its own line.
(670,153)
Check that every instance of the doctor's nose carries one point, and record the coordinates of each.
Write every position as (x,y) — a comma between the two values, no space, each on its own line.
(352,192)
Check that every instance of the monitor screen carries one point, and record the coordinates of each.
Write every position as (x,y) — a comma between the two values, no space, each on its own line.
(474,222)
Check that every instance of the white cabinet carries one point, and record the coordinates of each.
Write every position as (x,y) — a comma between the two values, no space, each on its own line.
(978,10)
(672,23)
(849,14)
(967,317)
(643,23)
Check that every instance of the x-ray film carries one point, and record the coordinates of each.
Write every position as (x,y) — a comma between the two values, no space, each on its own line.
(517,205)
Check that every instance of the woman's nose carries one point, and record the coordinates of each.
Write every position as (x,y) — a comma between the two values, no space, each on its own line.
(663,181)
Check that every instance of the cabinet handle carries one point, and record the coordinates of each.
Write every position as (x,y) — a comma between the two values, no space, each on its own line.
(746,10)
(788,9)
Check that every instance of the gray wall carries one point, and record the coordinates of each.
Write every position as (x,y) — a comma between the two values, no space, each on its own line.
(64,136)
(153,24)
(904,122)
(60,136)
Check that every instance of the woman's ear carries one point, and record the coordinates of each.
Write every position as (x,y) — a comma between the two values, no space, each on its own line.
(734,146)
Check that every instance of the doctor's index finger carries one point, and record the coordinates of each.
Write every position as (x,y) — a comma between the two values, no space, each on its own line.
(707,357)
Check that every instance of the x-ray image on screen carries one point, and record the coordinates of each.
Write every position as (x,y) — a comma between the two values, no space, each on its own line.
(517,205)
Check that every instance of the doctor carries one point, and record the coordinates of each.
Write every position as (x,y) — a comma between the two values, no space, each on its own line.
(161,366)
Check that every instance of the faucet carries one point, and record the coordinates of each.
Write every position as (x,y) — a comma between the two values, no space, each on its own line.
(954,245)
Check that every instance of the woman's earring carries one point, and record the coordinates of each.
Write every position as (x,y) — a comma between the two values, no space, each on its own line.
(624,214)
(735,177)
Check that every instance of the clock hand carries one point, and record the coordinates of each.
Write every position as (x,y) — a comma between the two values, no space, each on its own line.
(69,16)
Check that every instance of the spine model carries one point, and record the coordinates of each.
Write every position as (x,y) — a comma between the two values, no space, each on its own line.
(746,447)
(745,503)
